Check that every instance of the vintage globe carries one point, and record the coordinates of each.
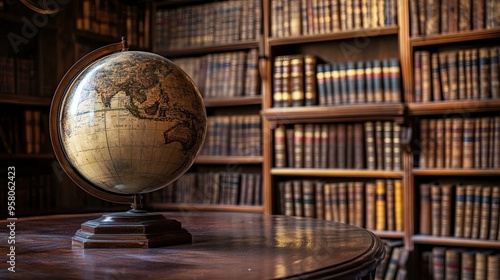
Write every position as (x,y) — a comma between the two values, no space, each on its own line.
(130,122)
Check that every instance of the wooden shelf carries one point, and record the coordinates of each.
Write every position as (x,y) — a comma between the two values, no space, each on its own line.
(455,172)
(199,50)
(313,172)
(232,101)
(343,112)
(457,242)
(158,206)
(455,37)
(334,36)
(454,107)
(229,159)
(25,100)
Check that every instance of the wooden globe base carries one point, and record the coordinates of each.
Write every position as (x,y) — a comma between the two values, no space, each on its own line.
(131,229)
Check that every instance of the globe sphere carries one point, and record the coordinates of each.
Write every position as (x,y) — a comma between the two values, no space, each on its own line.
(131,122)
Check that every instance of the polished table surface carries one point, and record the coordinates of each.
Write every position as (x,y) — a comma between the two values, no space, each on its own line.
(225,246)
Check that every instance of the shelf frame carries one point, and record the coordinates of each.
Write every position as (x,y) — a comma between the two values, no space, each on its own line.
(390,111)
(453,107)
(206,49)
(457,37)
(455,172)
(339,35)
(456,242)
(22,100)
(313,172)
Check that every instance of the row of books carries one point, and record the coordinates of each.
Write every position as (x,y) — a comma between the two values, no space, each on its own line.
(230,188)
(18,76)
(370,145)
(460,210)
(393,265)
(112,19)
(221,75)
(460,143)
(208,24)
(456,263)
(429,17)
(300,81)
(236,135)
(26,133)
(470,74)
(309,17)
(375,205)
(371,81)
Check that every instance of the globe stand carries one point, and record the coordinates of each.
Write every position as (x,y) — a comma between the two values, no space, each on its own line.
(135,228)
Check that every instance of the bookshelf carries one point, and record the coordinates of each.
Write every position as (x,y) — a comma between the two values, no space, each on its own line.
(434,100)
(218,44)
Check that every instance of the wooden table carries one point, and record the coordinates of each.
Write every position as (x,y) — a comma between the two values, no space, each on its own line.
(225,246)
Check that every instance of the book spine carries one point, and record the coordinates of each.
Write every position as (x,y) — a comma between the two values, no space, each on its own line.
(417,76)
(446,203)
(279,147)
(436,82)
(468,208)
(277,82)
(309,80)
(484,73)
(461,92)
(298,198)
(308,198)
(359,204)
(316,145)
(495,212)
(438,262)
(452,263)
(389,197)
(328,201)
(476,212)
(459,211)
(360,82)
(478,14)
(486,213)
(398,205)
(351,212)
(290,146)
(370,205)
(359,155)
(457,140)
(324,147)
(341,146)
(467,265)
(432,17)
(484,139)
(319,200)
(308,145)
(453,75)
(377,81)
(321,83)
(436,210)
(440,144)
(342,203)
(335,192)
(380,205)
(425,209)
(332,146)
(426,76)
(298,144)
(370,146)
(388,146)
(297,81)
(494,75)
(464,15)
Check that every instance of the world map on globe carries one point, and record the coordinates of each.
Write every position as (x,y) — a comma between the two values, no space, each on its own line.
(132,122)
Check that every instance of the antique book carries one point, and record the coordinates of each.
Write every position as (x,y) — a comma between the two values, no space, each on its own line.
(447,197)
(351,82)
(459,211)
(452,263)
(332,146)
(426,76)
(388,146)
(350,146)
(453,75)
(436,210)
(370,146)
(436,81)
(432,17)
(431,144)
(461,91)
(298,198)
(468,210)
(390,210)
(398,205)
(321,83)
(445,81)
(440,143)
(351,212)
(464,15)
(484,73)
(360,82)
(341,145)
(379,144)
(309,145)
(359,204)
(438,262)
(298,144)
(342,203)
(309,80)
(417,76)
(424,143)
(319,200)
(476,212)
(467,264)
(279,146)
(287,87)
(296,80)
(359,151)
(468,143)
(494,75)
(370,205)
(316,145)
(457,141)
(425,209)
(380,205)
(278,82)
(328,201)
(377,81)
(486,213)
(495,212)
(308,199)
(477,14)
